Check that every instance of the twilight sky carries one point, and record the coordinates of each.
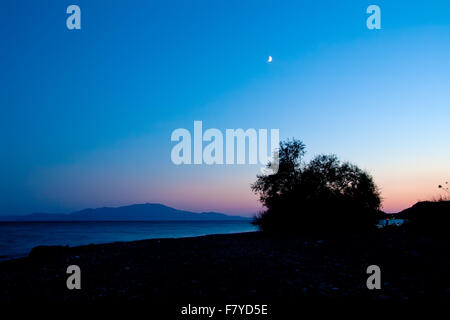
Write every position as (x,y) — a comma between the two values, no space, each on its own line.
(86,115)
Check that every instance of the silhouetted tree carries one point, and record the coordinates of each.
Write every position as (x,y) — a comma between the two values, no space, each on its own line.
(323,194)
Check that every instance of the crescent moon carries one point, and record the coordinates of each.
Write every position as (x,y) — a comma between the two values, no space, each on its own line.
(270,59)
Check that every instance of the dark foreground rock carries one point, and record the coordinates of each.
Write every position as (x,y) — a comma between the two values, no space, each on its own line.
(241,268)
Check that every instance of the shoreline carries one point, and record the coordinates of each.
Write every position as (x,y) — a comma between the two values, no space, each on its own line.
(248,266)
(5,258)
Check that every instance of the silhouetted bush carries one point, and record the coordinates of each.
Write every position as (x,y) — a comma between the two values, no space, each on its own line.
(322,195)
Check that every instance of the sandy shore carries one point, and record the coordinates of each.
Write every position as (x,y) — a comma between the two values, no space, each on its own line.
(238,267)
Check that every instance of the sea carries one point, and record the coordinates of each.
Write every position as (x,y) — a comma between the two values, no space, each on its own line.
(18,238)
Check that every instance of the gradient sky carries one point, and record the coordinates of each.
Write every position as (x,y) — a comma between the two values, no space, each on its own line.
(86,115)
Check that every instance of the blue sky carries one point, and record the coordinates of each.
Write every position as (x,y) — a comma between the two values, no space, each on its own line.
(87,114)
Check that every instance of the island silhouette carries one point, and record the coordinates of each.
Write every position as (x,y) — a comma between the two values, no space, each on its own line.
(135,212)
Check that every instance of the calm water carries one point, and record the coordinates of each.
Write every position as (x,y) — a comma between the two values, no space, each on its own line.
(18,238)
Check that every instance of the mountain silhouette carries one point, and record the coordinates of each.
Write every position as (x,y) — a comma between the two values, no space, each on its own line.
(136,212)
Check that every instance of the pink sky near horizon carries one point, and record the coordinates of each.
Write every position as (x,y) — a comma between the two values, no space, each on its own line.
(101,179)
(217,191)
